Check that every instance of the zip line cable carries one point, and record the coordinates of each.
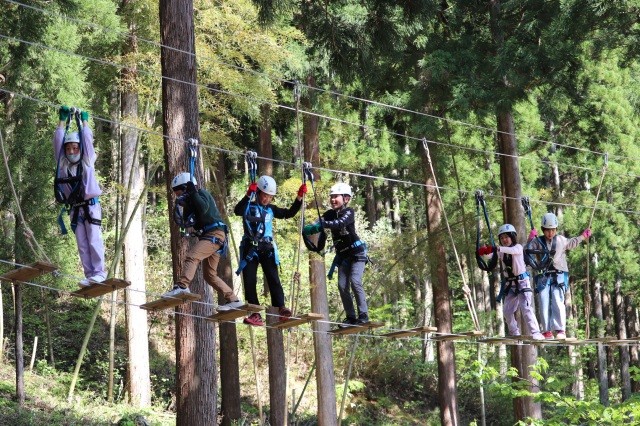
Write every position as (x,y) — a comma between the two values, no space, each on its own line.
(361,334)
(336,171)
(310,87)
(310,113)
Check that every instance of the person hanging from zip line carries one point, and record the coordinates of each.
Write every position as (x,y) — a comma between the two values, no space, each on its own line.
(553,281)
(77,188)
(351,253)
(515,289)
(196,208)
(258,245)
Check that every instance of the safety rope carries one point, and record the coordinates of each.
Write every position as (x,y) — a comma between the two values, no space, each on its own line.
(322,235)
(465,288)
(587,293)
(483,252)
(536,253)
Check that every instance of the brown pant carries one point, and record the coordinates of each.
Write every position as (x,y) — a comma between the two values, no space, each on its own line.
(205,251)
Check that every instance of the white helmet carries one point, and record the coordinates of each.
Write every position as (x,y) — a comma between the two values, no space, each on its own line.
(341,188)
(181,179)
(267,185)
(71,137)
(550,221)
(507,228)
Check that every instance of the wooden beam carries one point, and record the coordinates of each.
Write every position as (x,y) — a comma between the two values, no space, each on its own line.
(411,332)
(232,314)
(171,302)
(294,321)
(458,336)
(99,289)
(357,328)
(25,273)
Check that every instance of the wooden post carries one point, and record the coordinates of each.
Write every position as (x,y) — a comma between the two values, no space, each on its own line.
(277,371)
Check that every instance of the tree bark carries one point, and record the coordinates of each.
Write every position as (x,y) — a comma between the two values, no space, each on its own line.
(603,383)
(633,331)
(620,319)
(574,355)
(607,315)
(196,370)
(522,356)
(132,174)
(277,371)
(437,258)
(322,345)
(20,396)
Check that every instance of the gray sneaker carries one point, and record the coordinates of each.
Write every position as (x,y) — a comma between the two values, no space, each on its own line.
(175,292)
(230,305)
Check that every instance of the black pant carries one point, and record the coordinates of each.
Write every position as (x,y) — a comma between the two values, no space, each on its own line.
(249,274)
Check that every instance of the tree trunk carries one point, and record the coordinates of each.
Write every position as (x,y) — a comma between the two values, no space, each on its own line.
(522,357)
(132,175)
(370,204)
(322,345)
(607,314)
(621,320)
(229,361)
(277,370)
(19,345)
(633,331)
(196,381)
(265,148)
(574,355)
(603,383)
(437,258)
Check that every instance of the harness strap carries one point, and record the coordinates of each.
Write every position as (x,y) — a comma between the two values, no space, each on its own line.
(482,263)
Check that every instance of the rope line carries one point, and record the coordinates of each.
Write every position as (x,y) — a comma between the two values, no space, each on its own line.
(310,87)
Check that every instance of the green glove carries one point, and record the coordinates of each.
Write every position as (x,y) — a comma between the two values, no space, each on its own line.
(84,115)
(311,229)
(63,113)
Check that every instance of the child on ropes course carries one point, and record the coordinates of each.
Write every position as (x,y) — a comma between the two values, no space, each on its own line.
(258,245)
(553,282)
(515,290)
(351,253)
(77,188)
(198,210)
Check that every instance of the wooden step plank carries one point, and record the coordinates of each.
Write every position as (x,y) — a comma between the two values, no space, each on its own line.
(28,272)
(295,321)
(100,289)
(358,328)
(499,340)
(160,304)
(458,336)
(233,314)
(411,332)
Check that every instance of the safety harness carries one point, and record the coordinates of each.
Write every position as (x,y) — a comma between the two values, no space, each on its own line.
(190,220)
(75,200)
(254,218)
(340,256)
(536,253)
(322,237)
(511,279)
(493,261)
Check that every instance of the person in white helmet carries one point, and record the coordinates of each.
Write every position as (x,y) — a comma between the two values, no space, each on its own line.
(258,246)
(76,186)
(515,291)
(198,210)
(553,282)
(351,253)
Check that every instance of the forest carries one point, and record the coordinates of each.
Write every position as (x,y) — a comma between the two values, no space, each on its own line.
(446,120)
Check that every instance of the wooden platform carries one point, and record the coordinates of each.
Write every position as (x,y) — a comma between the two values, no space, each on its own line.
(457,336)
(100,289)
(161,304)
(358,328)
(232,314)
(411,332)
(294,321)
(499,340)
(31,271)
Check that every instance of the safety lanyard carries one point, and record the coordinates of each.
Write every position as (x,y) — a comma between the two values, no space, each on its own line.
(536,252)
(255,234)
(322,238)
(485,265)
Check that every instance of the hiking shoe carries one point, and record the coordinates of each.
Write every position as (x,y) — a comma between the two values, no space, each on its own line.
(548,335)
(561,335)
(175,292)
(285,314)
(230,306)
(84,283)
(254,319)
(97,279)
(363,318)
(348,322)
(538,336)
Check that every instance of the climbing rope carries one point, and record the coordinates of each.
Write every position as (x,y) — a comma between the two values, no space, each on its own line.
(486,256)
(587,293)
(465,288)
(536,252)
(322,235)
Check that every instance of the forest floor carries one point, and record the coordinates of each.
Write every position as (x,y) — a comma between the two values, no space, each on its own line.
(46,404)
